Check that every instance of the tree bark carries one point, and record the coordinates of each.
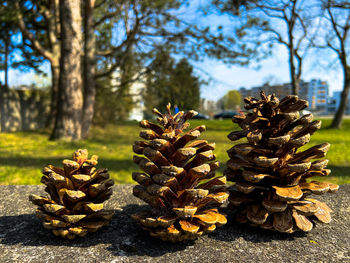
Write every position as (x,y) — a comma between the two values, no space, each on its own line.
(338,118)
(70,98)
(53,33)
(51,54)
(6,61)
(2,108)
(89,67)
(55,73)
(294,78)
(4,88)
(292,69)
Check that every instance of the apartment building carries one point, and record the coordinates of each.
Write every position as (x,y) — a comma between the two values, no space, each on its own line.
(278,90)
(315,92)
(318,95)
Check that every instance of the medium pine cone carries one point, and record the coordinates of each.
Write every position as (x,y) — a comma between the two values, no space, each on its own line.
(76,195)
(179,182)
(271,188)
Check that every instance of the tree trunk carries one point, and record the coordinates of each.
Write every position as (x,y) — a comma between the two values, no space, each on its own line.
(55,73)
(6,64)
(4,88)
(89,68)
(2,108)
(292,69)
(293,76)
(338,118)
(70,99)
(54,33)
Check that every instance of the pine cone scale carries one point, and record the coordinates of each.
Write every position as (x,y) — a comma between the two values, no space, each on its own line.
(270,174)
(76,192)
(175,165)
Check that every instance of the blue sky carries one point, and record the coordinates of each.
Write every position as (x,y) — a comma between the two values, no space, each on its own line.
(319,64)
(233,77)
(226,77)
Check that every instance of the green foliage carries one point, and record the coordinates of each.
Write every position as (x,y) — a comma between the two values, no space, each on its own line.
(24,154)
(36,22)
(105,104)
(111,104)
(114,102)
(168,81)
(232,100)
(8,28)
(234,7)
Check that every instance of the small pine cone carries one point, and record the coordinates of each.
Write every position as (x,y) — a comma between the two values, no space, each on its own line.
(179,180)
(271,188)
(76,195)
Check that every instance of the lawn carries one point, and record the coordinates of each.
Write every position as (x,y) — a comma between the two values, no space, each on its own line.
(24,154)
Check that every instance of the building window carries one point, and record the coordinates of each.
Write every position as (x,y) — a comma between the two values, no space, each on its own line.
(321,92)
(321,101)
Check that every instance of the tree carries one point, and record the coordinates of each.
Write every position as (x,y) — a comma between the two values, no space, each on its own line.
(112,31)
(168,81)
(140,28)
(187,86)
(70,99)
(267,22)
(105,96)
(89,66)
(7,30)
(40,27)
(335,29)
(232,100)
(101,18)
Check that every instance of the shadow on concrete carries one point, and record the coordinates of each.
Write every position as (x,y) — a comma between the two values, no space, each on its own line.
(233,230)
(27,230)
(132,240)
(123,237)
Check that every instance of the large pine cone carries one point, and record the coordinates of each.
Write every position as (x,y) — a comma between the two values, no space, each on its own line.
(179,182)
(271,188)
(76,195)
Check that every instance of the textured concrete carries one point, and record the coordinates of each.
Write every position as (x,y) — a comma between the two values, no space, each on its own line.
(22,238)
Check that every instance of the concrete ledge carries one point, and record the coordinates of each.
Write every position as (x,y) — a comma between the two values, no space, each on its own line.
(22,238)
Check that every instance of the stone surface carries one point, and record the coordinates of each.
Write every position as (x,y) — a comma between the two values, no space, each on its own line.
(23,239)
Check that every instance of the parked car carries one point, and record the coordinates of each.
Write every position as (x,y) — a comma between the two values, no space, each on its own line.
(225,115)
(201,116)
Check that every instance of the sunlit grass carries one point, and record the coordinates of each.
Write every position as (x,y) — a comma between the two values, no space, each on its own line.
(24,154)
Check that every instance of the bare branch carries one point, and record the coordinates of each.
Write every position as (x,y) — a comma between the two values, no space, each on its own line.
(127,42)
(279,37)
(333,22)
(27,34)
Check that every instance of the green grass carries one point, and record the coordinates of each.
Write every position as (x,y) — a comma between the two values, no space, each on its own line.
(24,154)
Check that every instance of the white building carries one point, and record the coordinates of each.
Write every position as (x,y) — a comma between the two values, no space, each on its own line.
(318,95)
(136,90)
